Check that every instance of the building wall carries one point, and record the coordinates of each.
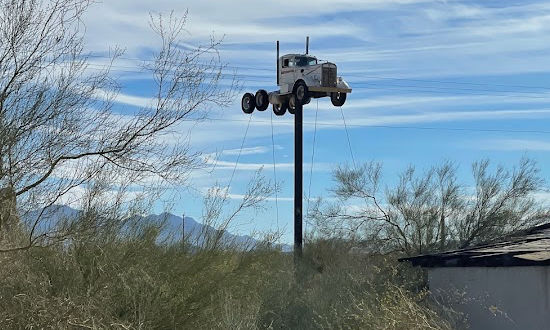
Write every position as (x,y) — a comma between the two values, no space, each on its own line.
(496,297)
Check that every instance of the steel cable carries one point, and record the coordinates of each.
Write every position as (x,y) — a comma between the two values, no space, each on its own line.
(349,141)
(240,151)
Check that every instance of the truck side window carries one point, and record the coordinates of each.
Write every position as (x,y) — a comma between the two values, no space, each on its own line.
(285,62)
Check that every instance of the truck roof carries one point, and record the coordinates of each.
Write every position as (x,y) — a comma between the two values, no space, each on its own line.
(288,55)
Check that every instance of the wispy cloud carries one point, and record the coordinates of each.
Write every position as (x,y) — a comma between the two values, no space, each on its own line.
(444,116)
(133,100)
(423,34)
(513,144)
(233,125)
(246,151)
(222,165)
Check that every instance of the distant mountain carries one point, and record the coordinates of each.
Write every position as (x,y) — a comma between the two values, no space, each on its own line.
(194,231)
(53,212)
(172,229)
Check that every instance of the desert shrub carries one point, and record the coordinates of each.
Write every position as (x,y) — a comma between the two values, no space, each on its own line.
(345,290)
(131,281)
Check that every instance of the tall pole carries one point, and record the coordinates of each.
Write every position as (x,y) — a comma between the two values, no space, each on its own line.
(298,180)
(277,63)
(298,175)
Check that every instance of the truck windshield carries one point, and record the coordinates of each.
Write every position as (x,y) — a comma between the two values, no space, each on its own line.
(305,61)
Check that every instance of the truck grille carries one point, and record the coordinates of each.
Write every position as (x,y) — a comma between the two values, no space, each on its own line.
(329,76)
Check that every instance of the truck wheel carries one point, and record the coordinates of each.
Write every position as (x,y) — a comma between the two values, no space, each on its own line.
(262,100)
(280,109)
(301,91)
(248,103)
(292,104)
(338,99)
(307,100)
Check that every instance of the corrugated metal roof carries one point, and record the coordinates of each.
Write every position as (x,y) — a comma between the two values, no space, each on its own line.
(526,248)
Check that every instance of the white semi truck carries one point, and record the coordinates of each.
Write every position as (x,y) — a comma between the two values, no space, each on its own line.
(300,77)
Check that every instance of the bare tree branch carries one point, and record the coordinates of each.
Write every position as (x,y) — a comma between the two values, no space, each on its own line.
(58,126)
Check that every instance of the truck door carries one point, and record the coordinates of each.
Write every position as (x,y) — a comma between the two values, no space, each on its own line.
(301,64)
(287,74)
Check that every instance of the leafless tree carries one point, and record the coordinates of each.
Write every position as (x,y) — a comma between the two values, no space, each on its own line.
(503,202)
(432,211)
(58,126)
(217,201)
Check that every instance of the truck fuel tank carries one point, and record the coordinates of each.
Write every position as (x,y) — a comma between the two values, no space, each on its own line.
(276,98)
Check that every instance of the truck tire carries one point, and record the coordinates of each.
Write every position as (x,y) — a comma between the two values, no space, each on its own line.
(280,109)
(262,100)
(248,103)
(301,91)
(338,99)
(292,104)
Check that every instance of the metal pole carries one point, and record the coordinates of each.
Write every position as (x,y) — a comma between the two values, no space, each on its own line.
(298,180)
(277,63)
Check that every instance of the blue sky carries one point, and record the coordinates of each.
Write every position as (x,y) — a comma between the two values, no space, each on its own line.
(432,81)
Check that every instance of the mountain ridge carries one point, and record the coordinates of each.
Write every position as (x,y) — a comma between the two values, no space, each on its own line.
(193,229)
